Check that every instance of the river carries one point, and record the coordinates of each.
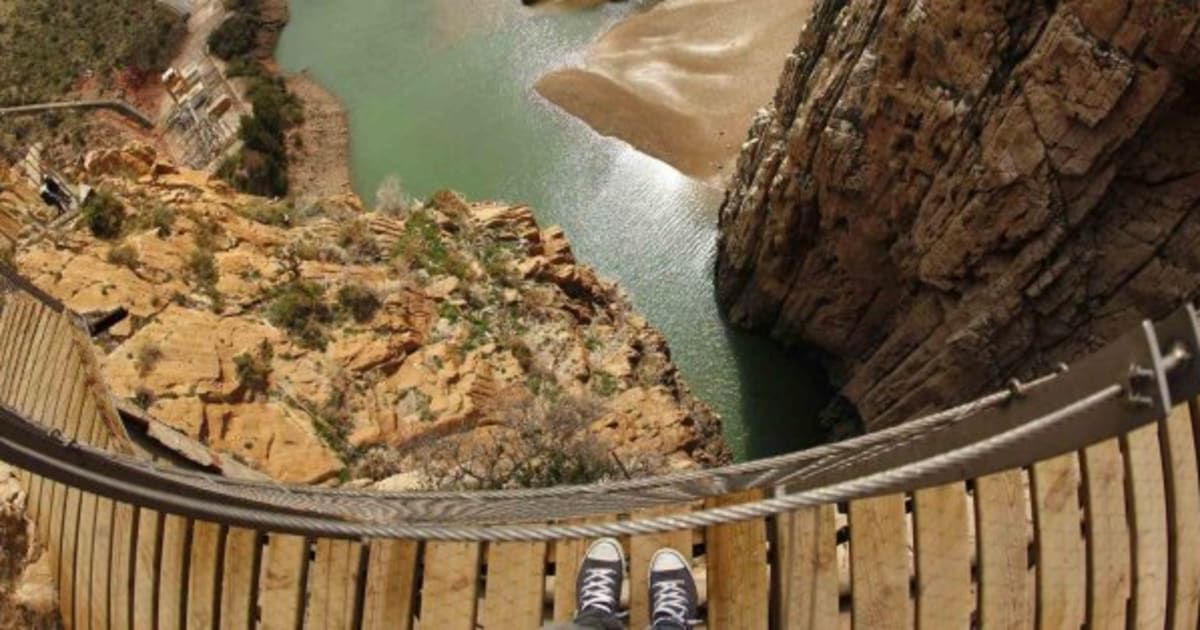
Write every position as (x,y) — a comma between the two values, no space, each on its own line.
(439,93)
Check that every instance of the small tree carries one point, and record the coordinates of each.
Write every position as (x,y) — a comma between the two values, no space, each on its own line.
(236,36)
(390,196)
(104,215)
(359,301)
(124,256)
(539,444)
(254,369)
(299,308)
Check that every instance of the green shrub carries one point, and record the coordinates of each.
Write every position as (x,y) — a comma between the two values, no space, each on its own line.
(143,398)
(423,245)
(236,36)
(123,256)
(104,215)
(162,219)
(543,445)
(254,370)
(356,238)
(202,269)
(148,356)
(205,233)
(359,302)
(604,384)
(299,308)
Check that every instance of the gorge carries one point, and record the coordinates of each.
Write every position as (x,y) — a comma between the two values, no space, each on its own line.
(440,93)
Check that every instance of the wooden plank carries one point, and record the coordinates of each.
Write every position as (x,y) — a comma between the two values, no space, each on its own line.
(516,583)
(87,420)
(121,574)
(12,320)
(448,595)
(33,498)
(101,567)
(25,369)
(738,584)
(879,563)
(46,387)
(66,569)
(807,569)
(391,588)
(172,575)
(641,549)
(83,560)
(1183,509)
(19,359)
(43,399)
(281,590)
(78,395)
(1061,558)
(202,605)
(34,364)
(59,493)
(1002,539)
(332,584)
(942,543)
(238,578)
(568,554)
(1146,495)
(64,374)
(58,505)
(145,571)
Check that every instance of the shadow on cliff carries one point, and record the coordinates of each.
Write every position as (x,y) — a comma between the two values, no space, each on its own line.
(782,393)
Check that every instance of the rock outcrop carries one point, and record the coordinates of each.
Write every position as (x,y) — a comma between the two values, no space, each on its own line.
(945,195)
(28,595)
(325,341)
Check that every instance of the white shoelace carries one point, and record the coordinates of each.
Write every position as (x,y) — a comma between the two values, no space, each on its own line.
(598,587)
(671,600)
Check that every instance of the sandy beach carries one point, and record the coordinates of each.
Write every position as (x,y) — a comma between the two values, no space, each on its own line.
(682,80)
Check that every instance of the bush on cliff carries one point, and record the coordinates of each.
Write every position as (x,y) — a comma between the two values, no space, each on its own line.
(546,443)
(299,308)
(358,301)
(104,215)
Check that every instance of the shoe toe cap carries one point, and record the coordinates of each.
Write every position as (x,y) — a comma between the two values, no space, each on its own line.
(668,560)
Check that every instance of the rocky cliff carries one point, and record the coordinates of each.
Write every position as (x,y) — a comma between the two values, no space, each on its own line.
(452,343)
(943,195)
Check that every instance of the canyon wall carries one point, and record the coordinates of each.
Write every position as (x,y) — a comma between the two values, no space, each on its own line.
(947,194)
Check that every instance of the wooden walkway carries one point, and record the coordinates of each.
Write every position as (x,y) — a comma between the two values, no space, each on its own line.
(1106,537)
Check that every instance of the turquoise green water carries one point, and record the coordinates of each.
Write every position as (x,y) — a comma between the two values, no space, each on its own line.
(439,93)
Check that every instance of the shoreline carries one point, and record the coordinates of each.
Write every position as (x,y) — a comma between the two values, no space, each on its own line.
(319,147)
(683,80)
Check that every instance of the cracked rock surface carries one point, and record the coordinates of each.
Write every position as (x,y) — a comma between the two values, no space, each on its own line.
(944,195)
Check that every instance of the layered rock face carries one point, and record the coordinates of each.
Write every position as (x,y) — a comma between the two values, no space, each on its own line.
(326,341)
(945,195)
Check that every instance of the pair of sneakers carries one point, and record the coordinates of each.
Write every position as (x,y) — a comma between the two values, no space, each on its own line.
(673,595)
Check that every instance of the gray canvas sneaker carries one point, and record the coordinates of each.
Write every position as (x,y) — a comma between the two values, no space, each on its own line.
(673,595)
(598,585)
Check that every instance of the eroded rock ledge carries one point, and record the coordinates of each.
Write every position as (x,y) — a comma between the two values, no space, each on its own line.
(944,195)
(321,341)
